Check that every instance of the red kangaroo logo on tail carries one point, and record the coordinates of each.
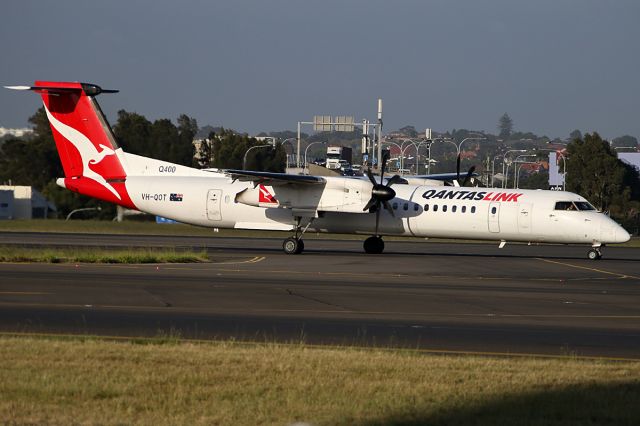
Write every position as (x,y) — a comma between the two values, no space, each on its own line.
(87,150)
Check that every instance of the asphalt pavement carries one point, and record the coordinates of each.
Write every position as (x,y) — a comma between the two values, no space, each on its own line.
(539,299)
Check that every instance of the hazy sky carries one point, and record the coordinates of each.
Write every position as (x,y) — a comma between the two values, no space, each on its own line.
(553,65)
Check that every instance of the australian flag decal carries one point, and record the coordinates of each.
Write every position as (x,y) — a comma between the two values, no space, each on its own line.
(175,197)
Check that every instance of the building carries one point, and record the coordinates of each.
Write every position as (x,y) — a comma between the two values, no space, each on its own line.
(18,133)
(632,158)
(6,204)
(24,202)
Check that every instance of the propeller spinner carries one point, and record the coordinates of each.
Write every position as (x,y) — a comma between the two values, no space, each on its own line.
(381,193)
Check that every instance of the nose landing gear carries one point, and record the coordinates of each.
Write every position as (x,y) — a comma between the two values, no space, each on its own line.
(595,253)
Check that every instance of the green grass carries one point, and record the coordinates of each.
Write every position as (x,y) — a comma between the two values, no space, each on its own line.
(97,381)
(152,228)
(97,255)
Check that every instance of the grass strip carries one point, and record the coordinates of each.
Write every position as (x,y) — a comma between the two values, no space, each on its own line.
(98,255)
(77,380)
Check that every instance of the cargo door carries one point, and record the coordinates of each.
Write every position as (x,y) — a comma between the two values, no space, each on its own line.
(214,197)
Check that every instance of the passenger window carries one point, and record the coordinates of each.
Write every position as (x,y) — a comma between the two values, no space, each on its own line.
(464,209)
(435,207)
(454,208)
(426,207)
(444,208)
(395,206)
(493,210)
(416,207)
(473,209)
(405,207)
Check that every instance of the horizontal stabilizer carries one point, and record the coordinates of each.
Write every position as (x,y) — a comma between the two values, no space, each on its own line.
(89,89)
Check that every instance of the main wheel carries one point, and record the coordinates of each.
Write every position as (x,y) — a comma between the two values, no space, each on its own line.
(373,245)
(594,254)
(293,246)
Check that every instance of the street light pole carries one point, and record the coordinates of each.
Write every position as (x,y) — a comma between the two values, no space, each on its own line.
(288,140)
(504,160)
(244,159)
(516,167)
(86,209)
(305,154)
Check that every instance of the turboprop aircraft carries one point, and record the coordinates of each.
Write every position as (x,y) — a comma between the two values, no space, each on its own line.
(96,166)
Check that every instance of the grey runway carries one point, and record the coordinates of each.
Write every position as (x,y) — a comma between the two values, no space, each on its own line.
(434,296)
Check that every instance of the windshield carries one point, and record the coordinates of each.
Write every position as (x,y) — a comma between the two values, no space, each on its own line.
(583,205)
(565,205)
(571,205)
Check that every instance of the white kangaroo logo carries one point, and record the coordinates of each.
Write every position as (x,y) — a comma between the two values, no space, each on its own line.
(87,150)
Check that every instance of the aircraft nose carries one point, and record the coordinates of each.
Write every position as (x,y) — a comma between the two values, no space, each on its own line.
(622,236)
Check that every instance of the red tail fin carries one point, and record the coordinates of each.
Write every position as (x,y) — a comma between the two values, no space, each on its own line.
(84,140)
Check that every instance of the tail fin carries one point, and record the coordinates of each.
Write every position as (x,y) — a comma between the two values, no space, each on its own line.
(85,142)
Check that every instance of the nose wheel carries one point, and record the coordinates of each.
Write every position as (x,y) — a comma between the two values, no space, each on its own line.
(594,254)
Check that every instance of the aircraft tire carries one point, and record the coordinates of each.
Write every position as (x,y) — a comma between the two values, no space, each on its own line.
(594,254)
(292,246)
(373,245)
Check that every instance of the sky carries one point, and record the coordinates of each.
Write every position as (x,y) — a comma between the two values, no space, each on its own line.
(256,65)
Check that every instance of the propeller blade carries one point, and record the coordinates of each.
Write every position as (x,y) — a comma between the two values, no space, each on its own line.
(370,176)
(395,179)
(371,203)
(377,218)
(388,207)
(385,157)
(458,168)
(468,176)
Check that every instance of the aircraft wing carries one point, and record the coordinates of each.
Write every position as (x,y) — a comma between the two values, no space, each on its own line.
(442,176)
(272,179)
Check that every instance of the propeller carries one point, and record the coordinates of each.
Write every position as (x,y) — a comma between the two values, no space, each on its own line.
(468,175)
(381,193)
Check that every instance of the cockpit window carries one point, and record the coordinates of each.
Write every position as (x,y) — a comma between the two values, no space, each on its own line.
(565,205)
(583,205)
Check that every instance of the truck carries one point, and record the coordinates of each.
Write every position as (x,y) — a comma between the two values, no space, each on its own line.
(338,156)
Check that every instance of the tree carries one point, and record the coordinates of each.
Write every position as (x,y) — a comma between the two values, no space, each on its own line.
(594,171)
(160,139)
(576,134)
(409,131)
(133,132)
(182,150)
(505,126)
(32,162)
(229,149)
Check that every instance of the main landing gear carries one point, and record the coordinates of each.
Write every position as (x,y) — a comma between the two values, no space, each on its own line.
(295,245)
(373,245)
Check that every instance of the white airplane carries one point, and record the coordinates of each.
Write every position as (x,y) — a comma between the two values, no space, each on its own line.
(96,166)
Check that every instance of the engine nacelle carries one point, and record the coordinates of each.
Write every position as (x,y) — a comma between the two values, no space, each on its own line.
(260,196)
